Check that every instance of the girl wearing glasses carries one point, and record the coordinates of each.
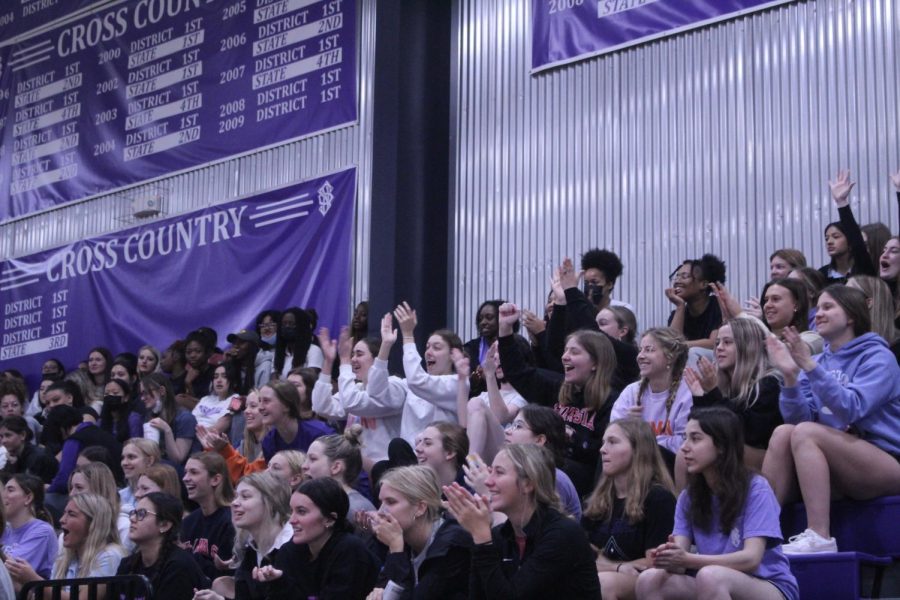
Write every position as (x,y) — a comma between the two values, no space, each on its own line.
(172,571)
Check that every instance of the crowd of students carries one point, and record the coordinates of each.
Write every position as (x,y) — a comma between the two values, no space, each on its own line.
(585,461)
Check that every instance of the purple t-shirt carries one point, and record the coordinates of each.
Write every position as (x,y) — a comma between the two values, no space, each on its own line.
(568,495)
(35,542)
(760,518)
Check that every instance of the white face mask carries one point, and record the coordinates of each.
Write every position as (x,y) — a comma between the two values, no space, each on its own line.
(270,340)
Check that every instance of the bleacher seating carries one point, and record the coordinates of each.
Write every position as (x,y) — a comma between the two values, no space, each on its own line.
(868,536)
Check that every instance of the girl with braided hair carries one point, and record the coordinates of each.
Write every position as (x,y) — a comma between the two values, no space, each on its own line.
(172,571)
(661,397)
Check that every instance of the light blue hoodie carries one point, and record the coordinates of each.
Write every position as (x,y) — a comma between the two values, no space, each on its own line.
(858,385)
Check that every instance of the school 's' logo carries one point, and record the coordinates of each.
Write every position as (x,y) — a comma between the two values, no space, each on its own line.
(326,198)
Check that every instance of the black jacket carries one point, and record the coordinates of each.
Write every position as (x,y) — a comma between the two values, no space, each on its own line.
(557,562)
(344,570)
(443,574)
(584,425)
(36,461)
(578,313)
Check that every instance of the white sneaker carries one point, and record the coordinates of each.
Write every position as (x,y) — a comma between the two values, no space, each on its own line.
(809,542)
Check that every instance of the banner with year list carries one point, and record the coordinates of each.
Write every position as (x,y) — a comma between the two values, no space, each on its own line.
(153,284)
(21,16)
(564,31)
(147,88)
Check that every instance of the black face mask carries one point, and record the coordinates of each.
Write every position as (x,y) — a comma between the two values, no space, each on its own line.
(593,292)
(288,334)
(113,400)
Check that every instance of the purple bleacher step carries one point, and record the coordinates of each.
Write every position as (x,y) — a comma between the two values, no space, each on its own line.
(870,526)
(831,575)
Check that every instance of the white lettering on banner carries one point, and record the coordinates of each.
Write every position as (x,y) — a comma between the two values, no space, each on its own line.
(102,28)
(213,228)
(35,346)
(606,8)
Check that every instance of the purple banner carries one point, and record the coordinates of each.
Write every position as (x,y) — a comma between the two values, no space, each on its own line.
(20,16)
(568,30)
(148,88)
(153,284)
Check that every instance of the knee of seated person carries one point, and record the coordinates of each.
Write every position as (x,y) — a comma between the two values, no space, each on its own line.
(711,577)
(805,432)
(781,436)
(650,579)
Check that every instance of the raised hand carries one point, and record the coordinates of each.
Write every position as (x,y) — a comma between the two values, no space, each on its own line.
(472,512)
(345,345)
(533,323)
(727,303)
(753,307)
(509,315)
(709,374)
(841,187)
(895,179)
(388,336)
(559,294)
(406,317)
(461,363)
(797,347)
(328,345)
(692,379)
(781,359)
(476,473)
(568,276)
(210,438)
(489,364)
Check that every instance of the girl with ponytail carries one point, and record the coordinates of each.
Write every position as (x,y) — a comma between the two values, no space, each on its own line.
(661,397)
(325,560)
(339,457)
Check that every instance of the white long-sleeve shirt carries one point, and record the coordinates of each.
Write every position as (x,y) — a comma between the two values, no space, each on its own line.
(378,406)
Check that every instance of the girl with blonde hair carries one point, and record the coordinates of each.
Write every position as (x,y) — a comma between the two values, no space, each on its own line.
(661,397)
(428,555)
(96,478)
(338,457)
(90,543)
(287,465)
(632,509)
(555,559)
(137,455)
(743,380)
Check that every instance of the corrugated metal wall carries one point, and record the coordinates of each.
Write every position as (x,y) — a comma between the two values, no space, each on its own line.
(720,140)
(230,180)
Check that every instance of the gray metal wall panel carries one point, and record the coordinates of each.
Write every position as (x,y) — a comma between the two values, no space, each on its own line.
(230,180)
(720,139)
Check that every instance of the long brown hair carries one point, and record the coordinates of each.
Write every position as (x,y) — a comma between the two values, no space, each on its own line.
(647,470)
(597,388)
